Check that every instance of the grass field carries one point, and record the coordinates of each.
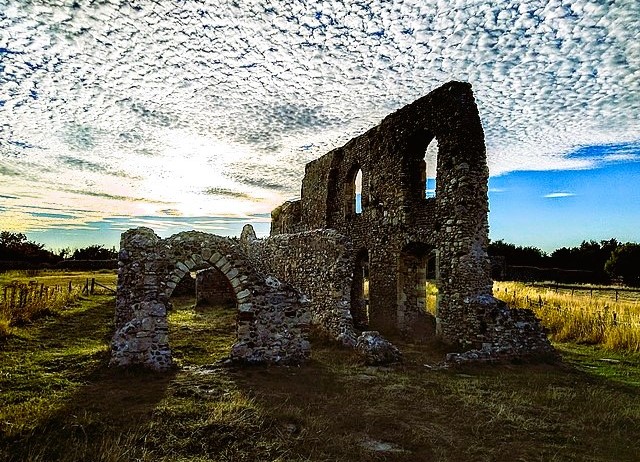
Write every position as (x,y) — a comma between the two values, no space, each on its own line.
(61,401)
(580,314)
(27,295)
(59,277)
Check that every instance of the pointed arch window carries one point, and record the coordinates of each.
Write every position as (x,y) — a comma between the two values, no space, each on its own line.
(430,169)
(354,201)
(358,192)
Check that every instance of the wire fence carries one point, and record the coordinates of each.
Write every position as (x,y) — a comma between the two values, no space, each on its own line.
(24,301)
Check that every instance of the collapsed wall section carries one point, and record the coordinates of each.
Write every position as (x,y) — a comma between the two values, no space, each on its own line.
(319,264)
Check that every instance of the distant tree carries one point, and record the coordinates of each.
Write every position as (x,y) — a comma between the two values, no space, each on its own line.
(94,252)
(517,255)
(625,263)
(588,256)
(64,253)
(16,247)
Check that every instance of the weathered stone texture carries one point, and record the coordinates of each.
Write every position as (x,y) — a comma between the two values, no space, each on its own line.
(319,264)
(377,351)
(213,287)
(272,321)
(399,228)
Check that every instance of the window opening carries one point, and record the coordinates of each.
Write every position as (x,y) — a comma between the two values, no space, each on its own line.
(431,168)
(358,192)
(360,291)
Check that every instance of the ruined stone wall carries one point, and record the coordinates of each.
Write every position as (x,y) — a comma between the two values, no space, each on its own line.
(318,242)
(396,214)
(319,264)
(286,218)
(272,321)
(396,217)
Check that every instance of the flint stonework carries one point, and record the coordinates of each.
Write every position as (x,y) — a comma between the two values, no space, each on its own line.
(398,232)
(353,263)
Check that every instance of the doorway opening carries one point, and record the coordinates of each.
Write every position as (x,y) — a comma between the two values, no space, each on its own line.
(360,291)
(417,290)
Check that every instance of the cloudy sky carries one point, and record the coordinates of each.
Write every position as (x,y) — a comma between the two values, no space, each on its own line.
(201,114)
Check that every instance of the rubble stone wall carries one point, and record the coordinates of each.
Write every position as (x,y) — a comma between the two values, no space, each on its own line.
(319,264)
(212,287)
(272,321)
(396,215)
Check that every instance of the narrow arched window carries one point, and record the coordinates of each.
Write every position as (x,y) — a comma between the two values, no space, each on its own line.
(430,169)
(354,202)
(358,192)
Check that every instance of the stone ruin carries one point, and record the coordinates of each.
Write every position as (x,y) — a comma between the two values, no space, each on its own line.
(352,262)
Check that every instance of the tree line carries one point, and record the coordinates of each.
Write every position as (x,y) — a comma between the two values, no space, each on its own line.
(17,248)
(606,260)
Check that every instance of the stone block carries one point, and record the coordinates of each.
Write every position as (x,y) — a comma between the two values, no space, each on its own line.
(243,295)
(215,258)
(206,254)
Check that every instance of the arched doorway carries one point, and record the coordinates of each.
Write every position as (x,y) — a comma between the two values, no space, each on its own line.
(212,288)
(150,270)
(202,320)
(417,291)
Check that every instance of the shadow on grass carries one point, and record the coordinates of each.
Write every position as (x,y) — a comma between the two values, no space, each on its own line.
(335,409)
(64,402)
(331,409)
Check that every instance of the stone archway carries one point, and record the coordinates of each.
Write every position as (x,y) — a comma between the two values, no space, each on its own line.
(272,318)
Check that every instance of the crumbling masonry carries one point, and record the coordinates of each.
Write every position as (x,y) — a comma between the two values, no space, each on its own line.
(322,249)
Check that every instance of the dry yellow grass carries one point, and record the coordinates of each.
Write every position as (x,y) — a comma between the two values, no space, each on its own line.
(21,303)
(577,316)
(28,295)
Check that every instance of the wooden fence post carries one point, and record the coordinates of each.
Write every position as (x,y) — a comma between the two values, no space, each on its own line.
(93,284)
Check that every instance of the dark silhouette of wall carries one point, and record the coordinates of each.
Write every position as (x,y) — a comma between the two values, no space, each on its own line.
(397,227)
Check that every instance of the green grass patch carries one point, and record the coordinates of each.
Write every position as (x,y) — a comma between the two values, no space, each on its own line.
(61,401)
(28,295)
(59,277)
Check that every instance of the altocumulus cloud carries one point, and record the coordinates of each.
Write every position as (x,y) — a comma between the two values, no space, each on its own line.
(201,96)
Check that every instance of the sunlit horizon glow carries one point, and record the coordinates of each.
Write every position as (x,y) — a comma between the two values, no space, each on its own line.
(111,111)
